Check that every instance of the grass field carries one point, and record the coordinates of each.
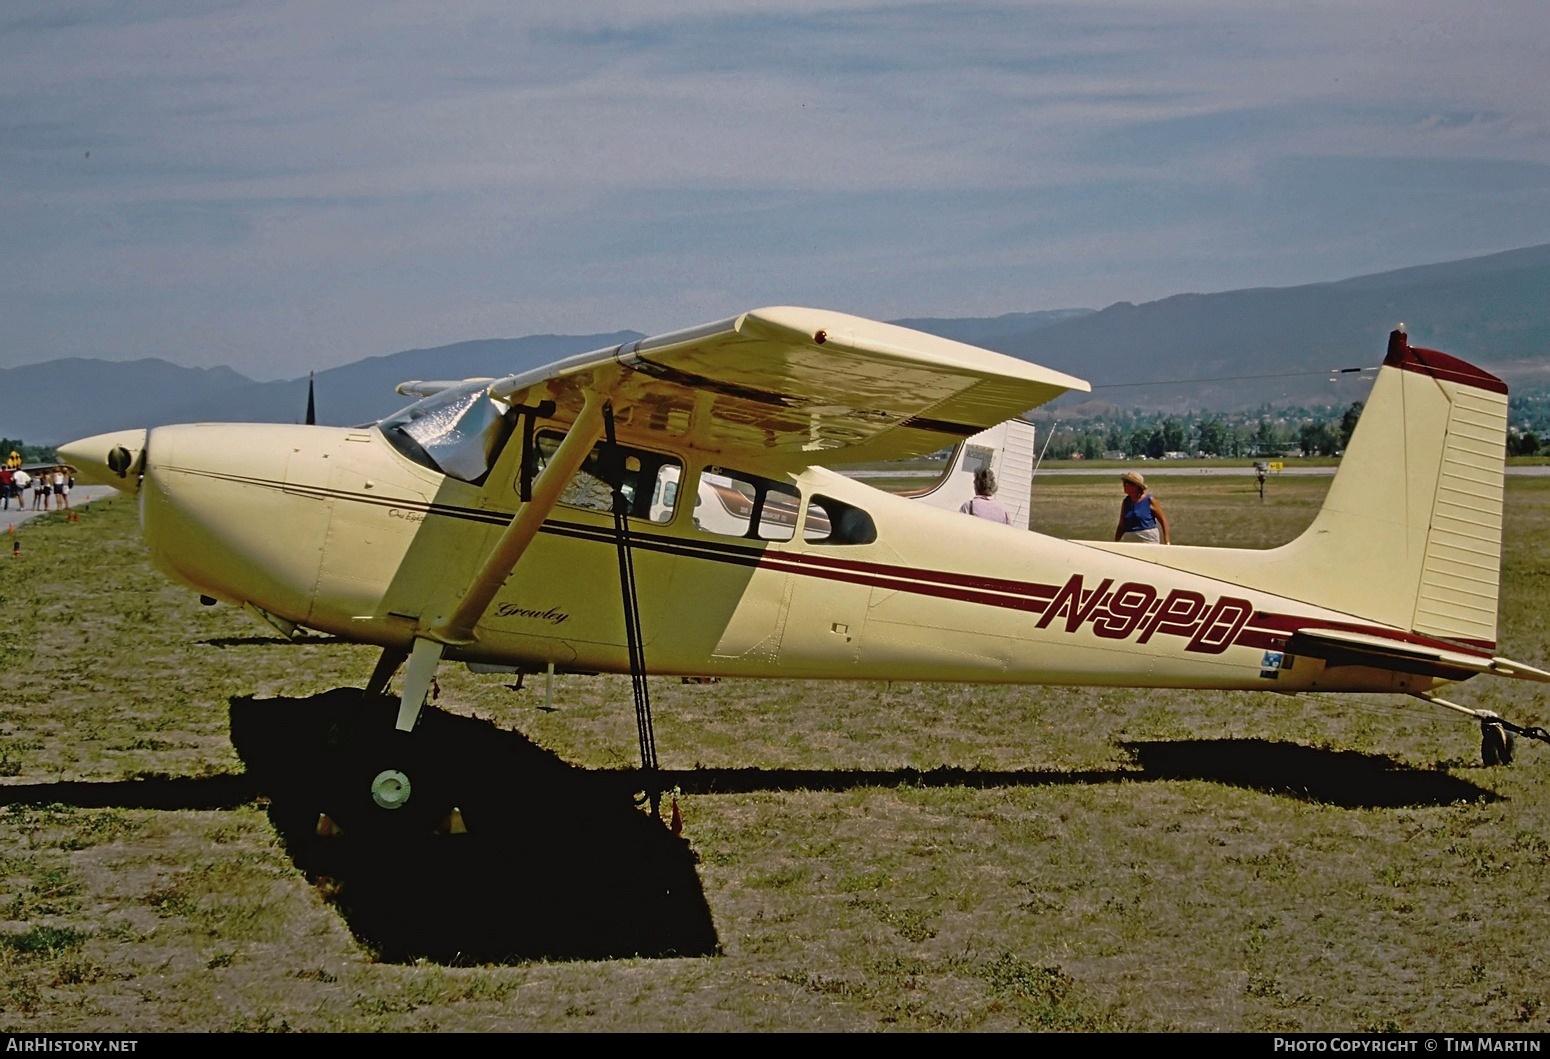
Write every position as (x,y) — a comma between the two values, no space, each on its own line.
(854,857)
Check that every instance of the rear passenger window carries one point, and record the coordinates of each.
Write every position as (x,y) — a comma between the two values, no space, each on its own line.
(745,505)
(836,522)
(738,504)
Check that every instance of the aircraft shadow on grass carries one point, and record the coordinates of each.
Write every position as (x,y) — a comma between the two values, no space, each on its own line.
(1343,778)
(270,640)
(557,863)
(564,863)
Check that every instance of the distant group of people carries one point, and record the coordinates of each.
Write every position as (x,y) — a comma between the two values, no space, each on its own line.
(50,488)
(1141,517)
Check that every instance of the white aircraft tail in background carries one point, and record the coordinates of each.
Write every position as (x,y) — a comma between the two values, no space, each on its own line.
(1008,450)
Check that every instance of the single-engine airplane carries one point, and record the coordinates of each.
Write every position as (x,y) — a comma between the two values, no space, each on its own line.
(541,522)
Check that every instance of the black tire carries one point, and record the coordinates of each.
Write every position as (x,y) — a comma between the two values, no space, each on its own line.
(383,786)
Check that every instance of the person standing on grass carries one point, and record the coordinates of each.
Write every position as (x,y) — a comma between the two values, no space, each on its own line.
(983,504)
(1141,517)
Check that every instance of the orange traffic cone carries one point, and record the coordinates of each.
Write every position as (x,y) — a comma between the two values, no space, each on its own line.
(676,821)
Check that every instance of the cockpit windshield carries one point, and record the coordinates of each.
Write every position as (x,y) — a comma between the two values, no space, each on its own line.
(459,431)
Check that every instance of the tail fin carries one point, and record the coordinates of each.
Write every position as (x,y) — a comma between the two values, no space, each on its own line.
(1410,533)
(1008,450)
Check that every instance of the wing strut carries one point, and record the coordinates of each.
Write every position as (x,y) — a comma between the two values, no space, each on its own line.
(457,627)
(632,636)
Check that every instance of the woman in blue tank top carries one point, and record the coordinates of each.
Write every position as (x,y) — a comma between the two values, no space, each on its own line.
(1141,517)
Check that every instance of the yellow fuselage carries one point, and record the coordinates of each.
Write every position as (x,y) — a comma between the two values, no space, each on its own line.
(335,530)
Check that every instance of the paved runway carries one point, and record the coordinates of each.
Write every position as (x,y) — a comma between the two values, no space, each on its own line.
(1162,470)
(81,494)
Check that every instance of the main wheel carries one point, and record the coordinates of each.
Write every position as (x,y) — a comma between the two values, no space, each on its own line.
(1496,744)
(384,786)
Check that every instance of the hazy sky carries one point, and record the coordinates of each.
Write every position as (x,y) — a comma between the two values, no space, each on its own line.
(288,186)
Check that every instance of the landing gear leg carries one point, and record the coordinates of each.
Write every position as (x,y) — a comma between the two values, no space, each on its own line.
(387,665)
(423,660)
(387,783)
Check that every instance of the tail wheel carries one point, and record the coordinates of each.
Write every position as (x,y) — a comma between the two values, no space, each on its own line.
(1496,744)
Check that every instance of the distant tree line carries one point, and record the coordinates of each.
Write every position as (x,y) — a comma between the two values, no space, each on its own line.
(1266,432)
(29,453)
(1528,423)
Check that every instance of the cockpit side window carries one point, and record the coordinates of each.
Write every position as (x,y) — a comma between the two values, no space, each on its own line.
(459,432)
(648,480)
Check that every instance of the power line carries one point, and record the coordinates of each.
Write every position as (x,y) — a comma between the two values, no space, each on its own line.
(1230,378)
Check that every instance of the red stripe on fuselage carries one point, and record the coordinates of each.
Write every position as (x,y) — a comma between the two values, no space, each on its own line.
(1117,612)
(1124,611)
(1269,629)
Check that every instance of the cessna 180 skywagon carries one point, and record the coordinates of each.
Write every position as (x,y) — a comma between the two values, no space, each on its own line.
(542,521)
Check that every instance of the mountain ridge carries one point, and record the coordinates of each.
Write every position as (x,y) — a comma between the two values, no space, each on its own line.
(1224,351)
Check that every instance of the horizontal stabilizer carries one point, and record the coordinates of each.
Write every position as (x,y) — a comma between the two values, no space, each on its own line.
(1339,647)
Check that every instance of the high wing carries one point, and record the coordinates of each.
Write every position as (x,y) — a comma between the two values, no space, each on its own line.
(785,388)
(777,390)
(773,390)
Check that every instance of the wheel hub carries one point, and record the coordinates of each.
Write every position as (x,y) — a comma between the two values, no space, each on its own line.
(390,790)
